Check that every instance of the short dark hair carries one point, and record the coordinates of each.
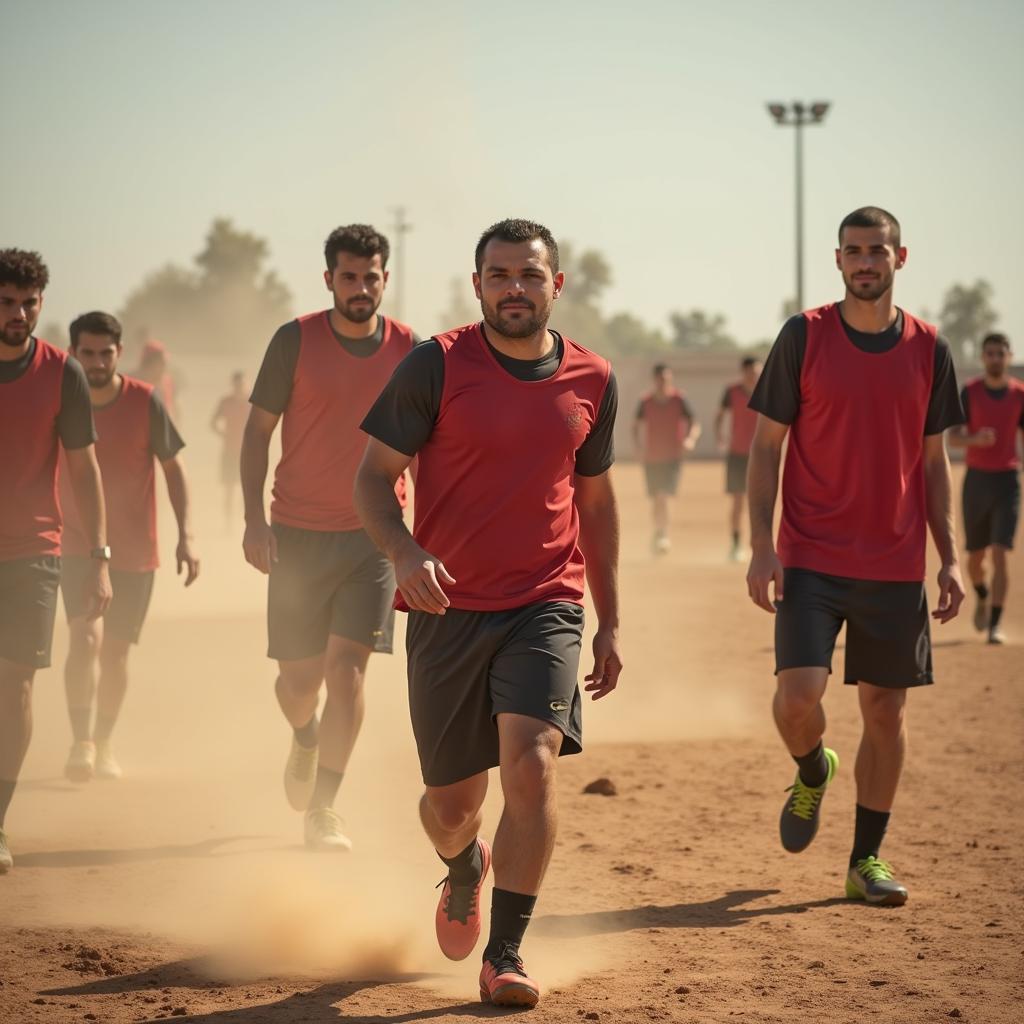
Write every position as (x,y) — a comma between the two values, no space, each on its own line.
(996,338)
(747,362)
(23,269)
(95,323)
(659,369)
(871,217)
(515,229)
(357,240)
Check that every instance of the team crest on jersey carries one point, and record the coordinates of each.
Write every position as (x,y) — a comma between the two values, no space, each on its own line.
(575,416)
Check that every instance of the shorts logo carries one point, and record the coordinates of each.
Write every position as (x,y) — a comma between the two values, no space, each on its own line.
(574,417)
(558,706)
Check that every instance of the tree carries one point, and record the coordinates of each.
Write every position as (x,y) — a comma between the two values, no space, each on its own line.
(966,317)
(56,334)
(698,329)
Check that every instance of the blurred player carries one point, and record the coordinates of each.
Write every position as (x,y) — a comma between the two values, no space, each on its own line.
(512,426)
(865,392)
(133,428)
(44,402)
(664,430)
(154,368)
(994,407)
(330,590)
(228,421)
(742,421)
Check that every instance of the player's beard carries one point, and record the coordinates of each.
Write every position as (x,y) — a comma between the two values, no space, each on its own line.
(524,328)
(356,312)
(15,336)
(869,289)
(99,379)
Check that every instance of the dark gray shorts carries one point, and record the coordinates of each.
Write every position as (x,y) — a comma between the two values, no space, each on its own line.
(888,640)
(662,477)
(128,607)
(28,606)
(991,508)
(736,473)
(325,584)
(467,667)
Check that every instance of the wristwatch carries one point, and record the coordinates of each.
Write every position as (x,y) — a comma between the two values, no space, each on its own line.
(102,553)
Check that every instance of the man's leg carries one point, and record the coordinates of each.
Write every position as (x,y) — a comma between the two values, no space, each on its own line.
(1000,587)
(84,641)
(298,693)
(735,517)
(661,512)
(15,733)
(113,686)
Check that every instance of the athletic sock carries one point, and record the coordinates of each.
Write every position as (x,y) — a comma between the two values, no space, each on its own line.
(997,614)
(813,767)
(466,867)
(510,916)
(869,831)
(104,727)
(81,723)
(325,789)
(308,735)
(981,590)
(6,792)
(736,538)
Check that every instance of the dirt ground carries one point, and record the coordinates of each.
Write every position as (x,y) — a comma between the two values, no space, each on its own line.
(183,891)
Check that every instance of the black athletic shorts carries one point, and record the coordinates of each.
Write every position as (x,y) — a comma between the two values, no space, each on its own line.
(128,607)
(467,667)
(888,641)
(324,584)
(662,477)
(28,606)
(991,507)
(736,473)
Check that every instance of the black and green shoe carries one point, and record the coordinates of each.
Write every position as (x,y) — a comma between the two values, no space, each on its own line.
(871,879)
(799,822)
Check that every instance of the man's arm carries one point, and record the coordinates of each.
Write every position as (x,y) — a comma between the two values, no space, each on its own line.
(258,543)
(719,429)
(419,574)
(692,435)
(638,427)
(961,437)
(599,542)
(177,492)
(217,420)
(938,479)
(87,486)
(762,492)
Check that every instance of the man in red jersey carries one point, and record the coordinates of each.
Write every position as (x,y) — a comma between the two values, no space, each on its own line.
(742,422)
(228,421)
(866,392)
(44,402)
(664,430)
(512,427)
(994,407)
(330,589)
(133,429)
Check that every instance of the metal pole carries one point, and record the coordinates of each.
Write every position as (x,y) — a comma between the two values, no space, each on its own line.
(402,226)
(799,133)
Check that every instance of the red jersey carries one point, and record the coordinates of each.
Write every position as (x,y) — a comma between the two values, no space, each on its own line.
(853,496)
(127,465)
(321,443)
(495,488)
(666,424)
(29,405)
(1004,415)
(743,420)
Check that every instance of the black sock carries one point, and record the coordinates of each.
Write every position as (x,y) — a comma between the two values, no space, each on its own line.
(308,735)
(997,614)
(736,537)
(813,766)
(81,723)
(510,916)
(465,867)
(6,792)
(325,789)
(104,727)
(869,831)
(981,590)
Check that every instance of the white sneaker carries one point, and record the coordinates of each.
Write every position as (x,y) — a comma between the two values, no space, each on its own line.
(661,544)
(106,764)
(323,831)
(300,775)
(81,763)
(6,860)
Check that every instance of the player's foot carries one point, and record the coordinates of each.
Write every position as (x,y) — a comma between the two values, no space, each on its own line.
(300,775)
(457,920)
(871,879)
(996,636)
(6,860)
(660,544)
(106,764)
(324,832)
(735,553)
(504,981)
(81,763)
(799,822)
(981,614)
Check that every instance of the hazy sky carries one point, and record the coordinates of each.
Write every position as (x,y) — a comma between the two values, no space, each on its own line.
(636,128)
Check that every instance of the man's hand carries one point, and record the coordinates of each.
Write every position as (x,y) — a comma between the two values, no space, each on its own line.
(260,546)
(187,559)
(98,592)
(984,438)
(765,569)
(607,664)
(951,593)
(689,444)
(419,576)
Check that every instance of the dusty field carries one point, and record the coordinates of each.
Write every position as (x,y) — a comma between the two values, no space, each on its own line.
(183,892)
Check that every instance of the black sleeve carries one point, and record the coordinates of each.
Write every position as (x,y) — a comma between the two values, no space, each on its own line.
(597,453)
(74,420)
(164,439)
(726,402)
(273,387)
(404,414)
(640,409)
(688,412)
(777,394)
(944,409)
(965,398)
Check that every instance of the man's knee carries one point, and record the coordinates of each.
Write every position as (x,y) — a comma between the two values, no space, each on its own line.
(453,807)
(999,556)
(85,638)
(798,693)
(15,685)
(114,654)
(345,669)
(528,769)
(883,712)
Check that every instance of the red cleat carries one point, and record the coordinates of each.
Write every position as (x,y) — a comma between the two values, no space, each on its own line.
(504,981)
(457,921)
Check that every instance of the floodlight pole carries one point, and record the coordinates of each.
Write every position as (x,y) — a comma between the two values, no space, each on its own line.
(401,228)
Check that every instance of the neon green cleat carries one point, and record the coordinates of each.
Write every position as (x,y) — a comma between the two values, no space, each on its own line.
(798,824)
(871,879)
